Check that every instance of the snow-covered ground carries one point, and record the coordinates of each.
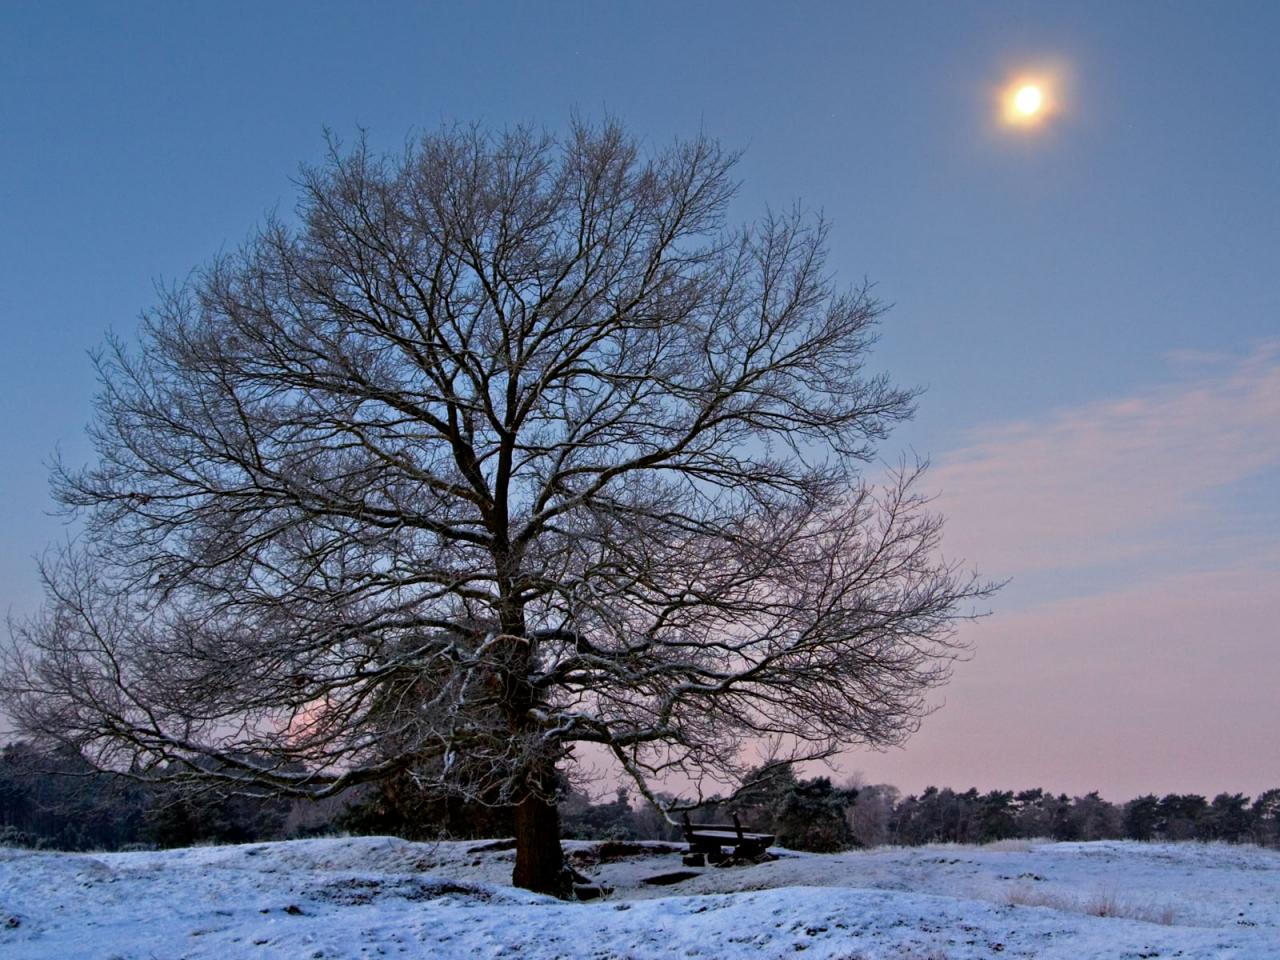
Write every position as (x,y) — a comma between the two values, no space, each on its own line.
(376,896)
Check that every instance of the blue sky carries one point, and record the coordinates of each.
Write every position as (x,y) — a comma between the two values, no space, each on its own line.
(1093,305)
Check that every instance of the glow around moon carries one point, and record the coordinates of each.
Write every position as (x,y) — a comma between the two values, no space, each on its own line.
(1030,98)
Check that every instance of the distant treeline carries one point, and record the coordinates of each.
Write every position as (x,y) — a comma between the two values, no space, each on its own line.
(815,814)
(57,801)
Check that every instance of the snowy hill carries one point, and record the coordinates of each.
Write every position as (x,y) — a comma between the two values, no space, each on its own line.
(377,896)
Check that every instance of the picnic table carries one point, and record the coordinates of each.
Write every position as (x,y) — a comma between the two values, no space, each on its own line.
(711,839)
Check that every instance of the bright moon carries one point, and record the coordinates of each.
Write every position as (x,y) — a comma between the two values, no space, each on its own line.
(1028,100)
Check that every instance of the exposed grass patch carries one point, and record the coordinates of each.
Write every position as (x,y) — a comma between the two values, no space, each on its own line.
(1009,846)
(1012,845)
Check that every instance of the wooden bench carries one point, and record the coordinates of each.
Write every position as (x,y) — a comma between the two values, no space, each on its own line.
(711,839)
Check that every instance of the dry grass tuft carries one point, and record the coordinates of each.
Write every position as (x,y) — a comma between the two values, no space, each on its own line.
(1104,903)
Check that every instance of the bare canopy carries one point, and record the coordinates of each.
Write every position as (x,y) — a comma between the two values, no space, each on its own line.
(505,443)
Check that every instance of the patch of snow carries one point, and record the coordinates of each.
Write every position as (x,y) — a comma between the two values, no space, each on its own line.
(378,896)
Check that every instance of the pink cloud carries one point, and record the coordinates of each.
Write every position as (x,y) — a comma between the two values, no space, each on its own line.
(1165,685)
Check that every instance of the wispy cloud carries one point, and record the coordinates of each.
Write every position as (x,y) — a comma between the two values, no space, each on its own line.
(1114,479)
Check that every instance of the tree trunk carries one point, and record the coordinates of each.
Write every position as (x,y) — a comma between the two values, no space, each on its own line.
(540,865)
(539,859)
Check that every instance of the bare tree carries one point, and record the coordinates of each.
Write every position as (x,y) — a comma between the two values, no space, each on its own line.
(507,444)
